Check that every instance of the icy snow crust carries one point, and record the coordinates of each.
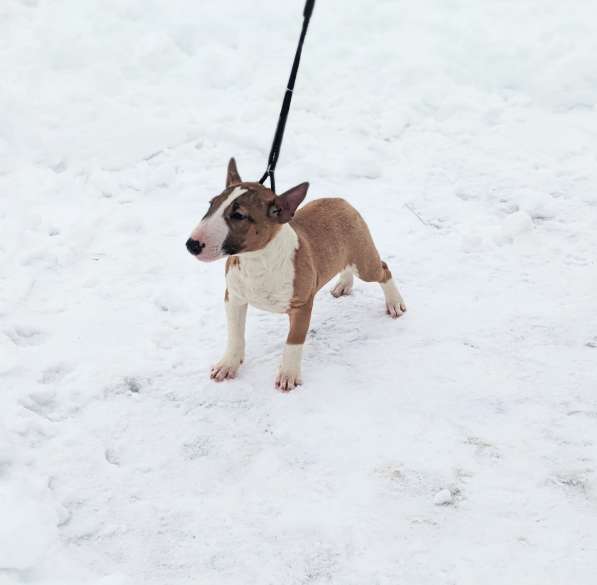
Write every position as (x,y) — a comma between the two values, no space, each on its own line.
(455,446)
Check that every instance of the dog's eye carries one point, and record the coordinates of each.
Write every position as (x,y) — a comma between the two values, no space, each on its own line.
(237,216)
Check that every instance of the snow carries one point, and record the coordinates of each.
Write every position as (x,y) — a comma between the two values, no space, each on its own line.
(466,134)
(443,498)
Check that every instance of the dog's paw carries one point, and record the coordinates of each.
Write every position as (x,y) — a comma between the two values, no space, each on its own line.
(341,289)
(225,370)
(286,381)
(395,309)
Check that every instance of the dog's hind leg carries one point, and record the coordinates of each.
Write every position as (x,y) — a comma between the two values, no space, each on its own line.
(344,284)
(395,305)
(371,268)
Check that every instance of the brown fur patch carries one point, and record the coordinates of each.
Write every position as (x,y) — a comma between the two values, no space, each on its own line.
(300,318)
(332,235)
(232,176)
(255,216)
(217,201)
(386,272)
(258,226)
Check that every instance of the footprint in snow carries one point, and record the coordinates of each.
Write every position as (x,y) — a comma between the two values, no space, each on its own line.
(54,374)
(25,335)
(41,402)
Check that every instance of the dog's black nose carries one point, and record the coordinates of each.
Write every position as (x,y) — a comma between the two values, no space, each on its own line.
(194,246)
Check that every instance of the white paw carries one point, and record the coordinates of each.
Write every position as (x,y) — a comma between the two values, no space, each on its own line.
(395,306)
(342,289)
(225,369)
(395,309)
(286,381)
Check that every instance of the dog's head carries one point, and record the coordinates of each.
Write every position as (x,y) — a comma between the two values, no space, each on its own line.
(245,217)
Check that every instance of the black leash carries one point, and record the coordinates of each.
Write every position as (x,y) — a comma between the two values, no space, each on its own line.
(279,135)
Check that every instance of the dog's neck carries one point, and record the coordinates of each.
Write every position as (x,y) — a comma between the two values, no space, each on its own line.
(279,250)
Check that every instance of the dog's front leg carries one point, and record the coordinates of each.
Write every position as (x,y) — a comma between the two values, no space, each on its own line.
(289,374)
(236,315)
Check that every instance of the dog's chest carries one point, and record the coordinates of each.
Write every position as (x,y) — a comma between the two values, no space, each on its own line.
(266,280)
(269,291)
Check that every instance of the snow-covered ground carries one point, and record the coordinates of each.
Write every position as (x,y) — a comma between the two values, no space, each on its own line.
(455,446)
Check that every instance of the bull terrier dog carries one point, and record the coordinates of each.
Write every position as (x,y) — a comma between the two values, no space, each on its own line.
(278,258)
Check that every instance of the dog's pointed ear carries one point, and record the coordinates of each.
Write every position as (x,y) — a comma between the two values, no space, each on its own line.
(287,203)
(232,175)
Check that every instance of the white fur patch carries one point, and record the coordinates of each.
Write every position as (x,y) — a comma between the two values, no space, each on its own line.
(345,282)
(236,316)
(394,302)
(235,350)
(390,291)
(289,374)
(213,230)
(291,360)
(265,278)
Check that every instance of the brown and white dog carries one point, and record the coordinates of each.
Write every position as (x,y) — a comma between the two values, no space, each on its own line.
(277,261)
